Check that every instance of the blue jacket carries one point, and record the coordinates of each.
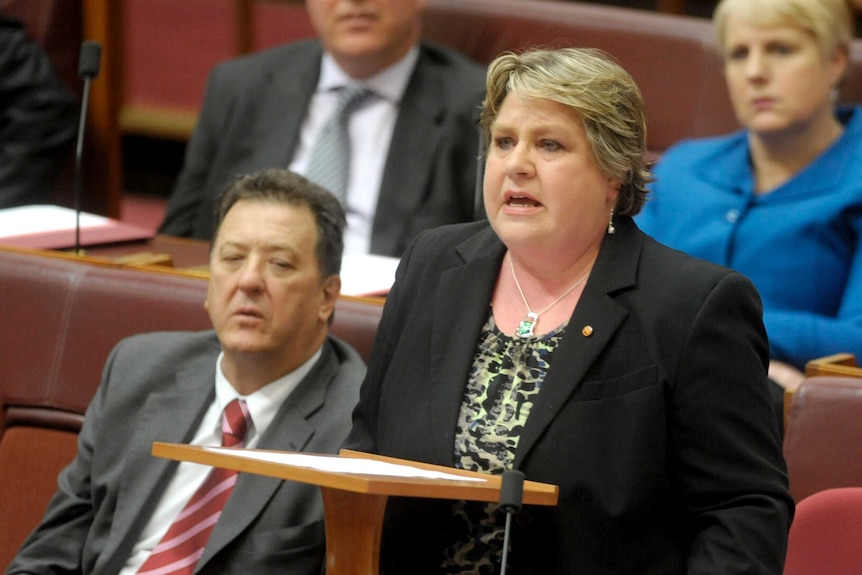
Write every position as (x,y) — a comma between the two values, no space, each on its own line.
(801,244)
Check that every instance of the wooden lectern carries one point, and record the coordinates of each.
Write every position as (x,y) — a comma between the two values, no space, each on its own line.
(355,489)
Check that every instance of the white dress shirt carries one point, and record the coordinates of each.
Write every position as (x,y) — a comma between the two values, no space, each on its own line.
(371,127)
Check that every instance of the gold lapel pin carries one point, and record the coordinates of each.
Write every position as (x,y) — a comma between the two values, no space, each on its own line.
(587,331)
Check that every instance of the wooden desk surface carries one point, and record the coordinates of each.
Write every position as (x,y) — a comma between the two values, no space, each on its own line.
(164,254)
(186,253)
(488,489)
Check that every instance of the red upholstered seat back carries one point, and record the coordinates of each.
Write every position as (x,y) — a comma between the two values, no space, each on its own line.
(31,456)
(823,436)
(63,317)
(825,535)
(671,58)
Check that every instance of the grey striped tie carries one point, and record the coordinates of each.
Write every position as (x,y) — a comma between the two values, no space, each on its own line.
(329,165)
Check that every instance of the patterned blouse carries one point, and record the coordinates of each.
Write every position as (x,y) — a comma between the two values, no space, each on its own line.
(506,375)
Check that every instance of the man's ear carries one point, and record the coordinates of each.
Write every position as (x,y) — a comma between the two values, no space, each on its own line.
(330,290)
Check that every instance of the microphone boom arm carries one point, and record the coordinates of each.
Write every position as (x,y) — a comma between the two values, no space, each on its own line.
(88,68)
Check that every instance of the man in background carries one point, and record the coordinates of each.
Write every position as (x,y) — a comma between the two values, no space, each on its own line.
(38,120)
(269,365)
(412,141)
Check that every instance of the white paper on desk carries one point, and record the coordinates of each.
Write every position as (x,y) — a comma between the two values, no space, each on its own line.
(43,218)
(367,274)
(356,465)
(43,226)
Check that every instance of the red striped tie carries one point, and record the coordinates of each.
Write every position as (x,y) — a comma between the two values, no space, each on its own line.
(182,546)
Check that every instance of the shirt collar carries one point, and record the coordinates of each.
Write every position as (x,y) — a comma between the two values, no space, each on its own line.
(388,84)
(264,403)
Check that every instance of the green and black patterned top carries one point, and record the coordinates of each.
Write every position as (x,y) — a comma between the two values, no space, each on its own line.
(506,375)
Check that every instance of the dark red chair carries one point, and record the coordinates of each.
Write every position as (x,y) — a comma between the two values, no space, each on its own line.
(823,436)
(826,533)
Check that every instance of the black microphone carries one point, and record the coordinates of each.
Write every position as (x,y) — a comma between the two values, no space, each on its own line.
(91,57)
(88,68)
(511,499)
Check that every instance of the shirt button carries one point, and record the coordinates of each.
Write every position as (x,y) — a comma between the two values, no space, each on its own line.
(731,216)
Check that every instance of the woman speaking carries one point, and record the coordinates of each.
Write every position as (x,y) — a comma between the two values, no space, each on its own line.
(557,339)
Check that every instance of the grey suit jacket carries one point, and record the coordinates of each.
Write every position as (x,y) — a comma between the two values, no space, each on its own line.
(251,118)
(156,387)
(655,423)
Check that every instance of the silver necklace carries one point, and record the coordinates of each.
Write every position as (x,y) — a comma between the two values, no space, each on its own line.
(525,328)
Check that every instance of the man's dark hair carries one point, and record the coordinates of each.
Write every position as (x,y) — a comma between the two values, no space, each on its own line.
(286,187)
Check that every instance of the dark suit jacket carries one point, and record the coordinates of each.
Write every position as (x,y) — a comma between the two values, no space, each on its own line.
(156,387)
(656,425)
(38,121)
(251,119)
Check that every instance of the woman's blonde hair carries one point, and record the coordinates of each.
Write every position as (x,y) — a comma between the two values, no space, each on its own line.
(829,21)
(599,90)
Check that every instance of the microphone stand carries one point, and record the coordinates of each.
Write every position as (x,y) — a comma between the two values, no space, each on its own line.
(88,68)
(511,499)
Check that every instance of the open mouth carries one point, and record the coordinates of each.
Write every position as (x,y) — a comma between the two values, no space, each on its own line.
(522,202)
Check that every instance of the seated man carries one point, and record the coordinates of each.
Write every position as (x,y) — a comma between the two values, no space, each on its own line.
(411,144)
(273,286)
(38,120)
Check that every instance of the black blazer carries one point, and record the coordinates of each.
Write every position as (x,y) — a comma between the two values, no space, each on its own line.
(656,424)
(38,122)
(253,112)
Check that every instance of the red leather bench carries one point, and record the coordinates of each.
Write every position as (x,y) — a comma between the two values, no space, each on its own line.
(670,57)
(823,435)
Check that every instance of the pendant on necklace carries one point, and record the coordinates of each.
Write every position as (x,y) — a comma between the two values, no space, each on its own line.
(525,328)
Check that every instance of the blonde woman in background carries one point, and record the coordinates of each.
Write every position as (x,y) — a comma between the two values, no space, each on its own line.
(781,200)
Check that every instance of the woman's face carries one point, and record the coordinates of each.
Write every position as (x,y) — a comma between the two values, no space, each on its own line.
(777,77)
(543,187)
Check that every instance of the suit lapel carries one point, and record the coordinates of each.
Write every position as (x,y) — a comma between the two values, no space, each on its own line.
(455,332)
(409,163)
(591,327)
(281,114)
(172,416)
